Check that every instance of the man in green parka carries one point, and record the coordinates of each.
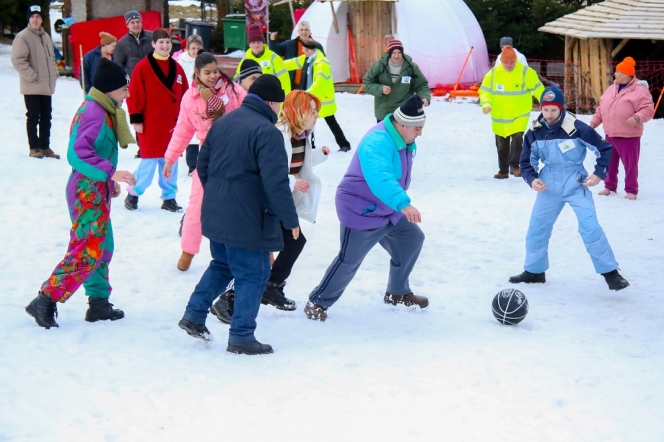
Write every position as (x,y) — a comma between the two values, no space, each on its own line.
(393,79)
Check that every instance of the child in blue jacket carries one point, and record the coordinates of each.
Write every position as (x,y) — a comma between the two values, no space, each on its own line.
(560,141)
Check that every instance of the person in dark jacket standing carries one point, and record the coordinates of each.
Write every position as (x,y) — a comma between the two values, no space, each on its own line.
(135,45)
(91,59)
(292,49)
(243,168)
(394,79)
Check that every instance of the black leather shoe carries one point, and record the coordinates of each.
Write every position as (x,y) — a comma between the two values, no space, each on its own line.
(171,206)
(223,307)
(615,280)
(198,331)
(249,348)
(274,295)
(44,310)
(131,202)
(344,149)
(101,310)
(528,278)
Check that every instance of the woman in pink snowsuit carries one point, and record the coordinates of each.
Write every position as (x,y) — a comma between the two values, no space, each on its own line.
(623,109)
(212,94)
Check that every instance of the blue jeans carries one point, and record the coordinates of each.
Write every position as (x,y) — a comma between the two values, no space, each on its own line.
(250,269)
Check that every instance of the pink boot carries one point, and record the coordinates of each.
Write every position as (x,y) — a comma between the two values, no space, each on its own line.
(630,196)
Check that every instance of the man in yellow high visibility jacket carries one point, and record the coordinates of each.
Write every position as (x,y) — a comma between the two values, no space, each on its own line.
(269,62)
(317,80)
(506,93)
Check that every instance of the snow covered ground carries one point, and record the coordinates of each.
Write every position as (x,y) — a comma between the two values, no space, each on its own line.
(584,365)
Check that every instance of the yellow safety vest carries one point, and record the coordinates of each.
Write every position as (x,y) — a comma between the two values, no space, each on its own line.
(270,63)
(322,83)
(508,94)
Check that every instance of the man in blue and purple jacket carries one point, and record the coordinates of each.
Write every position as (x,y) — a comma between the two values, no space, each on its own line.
(374,208)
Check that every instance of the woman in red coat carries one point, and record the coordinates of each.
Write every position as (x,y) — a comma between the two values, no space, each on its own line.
(155,92)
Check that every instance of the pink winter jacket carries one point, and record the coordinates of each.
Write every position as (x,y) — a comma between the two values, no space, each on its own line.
(615,108)
(192,118)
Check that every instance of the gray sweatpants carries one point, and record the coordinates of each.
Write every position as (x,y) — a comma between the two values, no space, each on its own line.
(403,241)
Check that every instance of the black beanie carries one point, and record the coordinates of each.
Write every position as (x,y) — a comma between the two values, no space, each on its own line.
(109,76)
(249,67)
(268,87)
(411,113)
(35,9)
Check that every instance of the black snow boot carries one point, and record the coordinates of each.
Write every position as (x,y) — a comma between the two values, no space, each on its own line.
(44,310)
(249,348)
(131,202)
(528,278)
(101,310)
(615,280)
(171,205)
(274,295)
(198,331)
(224,306)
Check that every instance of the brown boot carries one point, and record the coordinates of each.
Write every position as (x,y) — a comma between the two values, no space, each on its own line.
(501,176)
(406,300)
(185,261)
(516,172)
(48,153)
(36,153)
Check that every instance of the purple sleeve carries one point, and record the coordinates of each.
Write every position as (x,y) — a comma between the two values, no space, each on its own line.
(85,157)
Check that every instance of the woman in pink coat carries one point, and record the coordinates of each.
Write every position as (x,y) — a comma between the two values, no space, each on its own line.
(212,93)
(623,109)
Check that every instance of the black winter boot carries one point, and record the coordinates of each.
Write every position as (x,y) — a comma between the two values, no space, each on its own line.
(44,310)
(224,306)
(274,295)
(171,205)
(615,280)
(100,310)
(198,331)
(249,348)
(131,202)
(528,278)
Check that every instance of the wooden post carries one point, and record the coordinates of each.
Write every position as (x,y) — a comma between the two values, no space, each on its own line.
(292,13)
(334,18)
(619,47)
(595,69)
(80,51)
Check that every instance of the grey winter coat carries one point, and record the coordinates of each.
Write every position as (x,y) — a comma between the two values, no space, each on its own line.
(131,50)
(34,59)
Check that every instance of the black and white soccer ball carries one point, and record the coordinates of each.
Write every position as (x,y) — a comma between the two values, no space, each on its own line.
(510,306)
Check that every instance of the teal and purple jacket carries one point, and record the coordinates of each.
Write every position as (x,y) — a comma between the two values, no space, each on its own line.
(372,193)
(93,147)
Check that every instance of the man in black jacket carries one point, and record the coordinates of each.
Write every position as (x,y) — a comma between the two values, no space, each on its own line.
(292,49)
(243,168)
(135,45)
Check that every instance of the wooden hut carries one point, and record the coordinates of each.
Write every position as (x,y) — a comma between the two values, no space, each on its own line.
(83,10)
(595,35)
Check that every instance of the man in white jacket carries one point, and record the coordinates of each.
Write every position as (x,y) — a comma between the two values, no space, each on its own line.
(34,59)
(507,41)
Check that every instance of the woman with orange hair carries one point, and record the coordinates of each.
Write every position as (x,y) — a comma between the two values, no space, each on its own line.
(297,119)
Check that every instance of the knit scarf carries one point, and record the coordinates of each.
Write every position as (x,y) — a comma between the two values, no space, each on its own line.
(118,117)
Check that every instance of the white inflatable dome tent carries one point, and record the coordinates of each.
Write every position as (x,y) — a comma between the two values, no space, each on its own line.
(437,34)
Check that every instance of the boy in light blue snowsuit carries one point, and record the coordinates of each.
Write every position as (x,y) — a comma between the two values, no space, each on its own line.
(560,141)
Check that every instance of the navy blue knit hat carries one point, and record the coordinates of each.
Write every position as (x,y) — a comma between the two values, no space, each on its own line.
(411,113)
(109,76)
(553,96)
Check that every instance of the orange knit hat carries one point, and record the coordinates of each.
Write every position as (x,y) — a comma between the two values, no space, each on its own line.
(627,66)
(508,54)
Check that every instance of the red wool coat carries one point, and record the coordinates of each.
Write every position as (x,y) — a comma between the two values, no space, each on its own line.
(154,100)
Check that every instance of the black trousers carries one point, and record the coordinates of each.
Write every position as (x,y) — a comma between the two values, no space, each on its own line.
(191,156)
(283,265)
(339,136)
(509,151)
(38,115)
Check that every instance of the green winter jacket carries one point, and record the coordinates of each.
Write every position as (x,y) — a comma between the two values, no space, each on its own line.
(410,81)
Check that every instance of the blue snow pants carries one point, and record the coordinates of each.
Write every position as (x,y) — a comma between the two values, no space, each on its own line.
(548,206)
